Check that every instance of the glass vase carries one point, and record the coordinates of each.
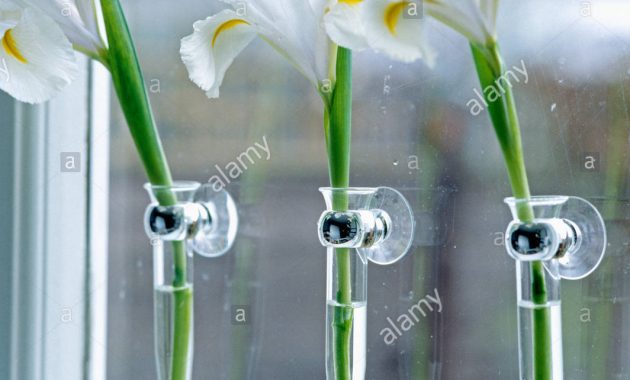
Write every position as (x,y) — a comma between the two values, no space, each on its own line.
(565,239)
(182,219)
(360,224)
(172,284)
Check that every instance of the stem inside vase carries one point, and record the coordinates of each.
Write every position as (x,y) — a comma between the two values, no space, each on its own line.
(337,128)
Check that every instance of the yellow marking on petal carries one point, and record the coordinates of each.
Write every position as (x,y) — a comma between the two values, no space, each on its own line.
(351,2)
(8,43)
(392,15)
(227,26)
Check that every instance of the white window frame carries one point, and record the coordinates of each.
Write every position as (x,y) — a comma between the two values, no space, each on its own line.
(55,263)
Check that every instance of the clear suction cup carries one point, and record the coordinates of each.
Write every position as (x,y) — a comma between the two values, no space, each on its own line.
(568,234)
(588,251)
(401,227)
(216,237)
(378,222)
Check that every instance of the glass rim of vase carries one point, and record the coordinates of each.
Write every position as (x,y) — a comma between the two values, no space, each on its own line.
(176,186)
(350,190)
(538,200)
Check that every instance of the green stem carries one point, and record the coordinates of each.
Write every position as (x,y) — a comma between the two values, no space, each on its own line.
(490,68)
(122,62)
(337,125)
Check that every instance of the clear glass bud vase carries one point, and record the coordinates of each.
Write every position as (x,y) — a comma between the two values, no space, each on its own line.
(346,294)
(360,224)
(565,238)
(172,280)
(538,299)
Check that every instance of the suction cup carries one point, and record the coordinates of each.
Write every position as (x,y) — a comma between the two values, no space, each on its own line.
(216,237)
(585,255)
(400,226)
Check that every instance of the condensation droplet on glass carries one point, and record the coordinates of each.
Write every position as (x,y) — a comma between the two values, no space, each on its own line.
(386,89)
(395,162)
(122,294)
(553,107)
(205,277)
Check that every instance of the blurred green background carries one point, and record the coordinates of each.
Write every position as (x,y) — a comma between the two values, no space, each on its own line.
(574,106)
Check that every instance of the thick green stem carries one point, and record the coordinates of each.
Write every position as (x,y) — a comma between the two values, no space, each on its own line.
(122,62)
(338,123)
(490,68)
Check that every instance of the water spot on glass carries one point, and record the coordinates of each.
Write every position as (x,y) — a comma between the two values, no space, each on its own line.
(395,162)
(386,307)
(205,277)
(122,294)
(386,86)
(553,107)
(562,60)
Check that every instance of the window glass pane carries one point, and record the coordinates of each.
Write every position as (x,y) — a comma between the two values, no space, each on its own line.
(413,128)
